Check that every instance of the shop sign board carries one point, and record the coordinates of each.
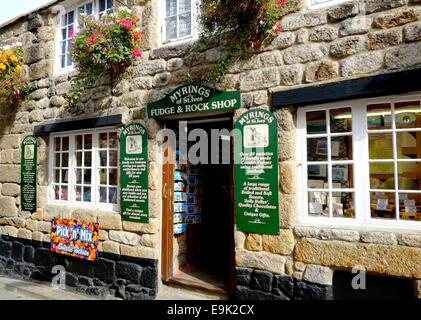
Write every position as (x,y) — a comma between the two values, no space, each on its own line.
(194,99)
(134,173)
(28,176)
(75,238)
(256,172)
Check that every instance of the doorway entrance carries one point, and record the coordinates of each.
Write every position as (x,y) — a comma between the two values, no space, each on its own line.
(198,219)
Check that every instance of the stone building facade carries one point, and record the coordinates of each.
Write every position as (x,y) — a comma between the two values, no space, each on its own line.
(345,41)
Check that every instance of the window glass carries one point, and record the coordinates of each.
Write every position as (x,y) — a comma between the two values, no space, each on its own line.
(178,19)
(77,180)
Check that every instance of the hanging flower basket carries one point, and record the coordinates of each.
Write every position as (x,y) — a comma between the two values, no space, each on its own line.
(108,44)
(13,83)
(257,23)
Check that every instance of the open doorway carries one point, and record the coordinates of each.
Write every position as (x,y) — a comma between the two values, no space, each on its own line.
(198,220)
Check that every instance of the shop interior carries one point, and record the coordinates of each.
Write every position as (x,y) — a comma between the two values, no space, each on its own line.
(202,209)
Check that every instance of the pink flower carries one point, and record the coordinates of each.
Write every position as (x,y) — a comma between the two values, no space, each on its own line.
(136,52)
(127,23)
(93,39)
(71,33)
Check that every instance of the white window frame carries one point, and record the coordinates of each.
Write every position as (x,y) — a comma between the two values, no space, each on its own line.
(74,7)
(95,179)
(329,3)
(361,183)
(194,24)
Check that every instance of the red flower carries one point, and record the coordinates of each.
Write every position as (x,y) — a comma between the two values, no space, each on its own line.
(126,22)
(256,43)
(136,52)
(282,1)
(71,33)
(93,39)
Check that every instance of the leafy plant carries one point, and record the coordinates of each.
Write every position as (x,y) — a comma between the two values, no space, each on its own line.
(256,22)
(13,83)
(108,44)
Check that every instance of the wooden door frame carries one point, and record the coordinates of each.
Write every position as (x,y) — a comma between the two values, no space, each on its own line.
(167,214)
(167,255)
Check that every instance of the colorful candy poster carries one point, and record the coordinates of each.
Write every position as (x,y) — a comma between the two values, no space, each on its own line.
(75,238)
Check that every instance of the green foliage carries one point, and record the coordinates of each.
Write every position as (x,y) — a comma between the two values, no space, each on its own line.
(256,23)
(108,44)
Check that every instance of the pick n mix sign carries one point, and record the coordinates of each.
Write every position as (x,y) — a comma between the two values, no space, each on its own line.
(75,238)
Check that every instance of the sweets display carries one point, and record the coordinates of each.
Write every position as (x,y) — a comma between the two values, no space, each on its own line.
(187,195)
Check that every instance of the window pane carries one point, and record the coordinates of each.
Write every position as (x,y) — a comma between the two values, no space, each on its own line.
(341,148)
(65,143)
(340,120)
(317,176)
(171,28)
(64,176)
(103,140)
(382,175)
(63,61)
(409,145)
(87,194)
(78,175)
(184,5)
(103,176)
(57,144)
(379,116)
(408,115)
(380,146)
(112,195)
(103,158)
(171,7)
(79,142)
(87,176)
(382,205)
(113,158)
(409,175)
(185,25)
(342,176)
(109,3)
(89,8)
(71,16)
(113,141)
(57,162)
(317,203)
(317,149)
(64,159)
(410,206)
(112,177)
(57,176)
(64,193)
(87,141)
(103,194)
(87,159)
(63,37)
(69,60)
(343,205)
(78,192)
(316,122)
(57,192)
(101,5)
(78,159)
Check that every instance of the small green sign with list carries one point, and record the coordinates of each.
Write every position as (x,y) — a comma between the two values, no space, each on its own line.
(134,173)
(256,172)
(28,174)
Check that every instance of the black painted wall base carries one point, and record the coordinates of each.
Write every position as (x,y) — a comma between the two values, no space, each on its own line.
(124,277)
(261,285)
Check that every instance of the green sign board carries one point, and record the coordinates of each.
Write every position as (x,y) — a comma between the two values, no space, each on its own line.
(194,99)
(28,174)
(134,173)
(256,172)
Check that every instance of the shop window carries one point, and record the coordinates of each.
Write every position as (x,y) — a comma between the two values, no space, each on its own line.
(70,23)
(361,162)
(178,21)
(84,169)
